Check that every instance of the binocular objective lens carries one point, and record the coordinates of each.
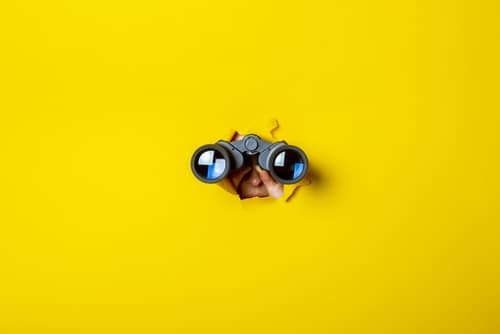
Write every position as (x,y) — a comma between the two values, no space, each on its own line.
(210,164)
(288,165)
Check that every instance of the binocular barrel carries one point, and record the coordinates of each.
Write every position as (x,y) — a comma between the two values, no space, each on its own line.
(287,164)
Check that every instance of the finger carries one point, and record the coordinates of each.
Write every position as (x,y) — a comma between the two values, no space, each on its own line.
(266,178)
(274,188)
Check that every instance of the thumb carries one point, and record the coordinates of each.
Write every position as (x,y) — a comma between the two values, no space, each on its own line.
(274,188)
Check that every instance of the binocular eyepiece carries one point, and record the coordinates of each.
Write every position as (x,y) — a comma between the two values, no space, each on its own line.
(213,162)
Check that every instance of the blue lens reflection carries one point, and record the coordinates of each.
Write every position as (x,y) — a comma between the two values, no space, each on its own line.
(298,168)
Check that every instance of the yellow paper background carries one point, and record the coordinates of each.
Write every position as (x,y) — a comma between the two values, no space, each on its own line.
(103,229)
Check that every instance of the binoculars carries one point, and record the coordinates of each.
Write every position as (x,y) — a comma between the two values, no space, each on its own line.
(213,162)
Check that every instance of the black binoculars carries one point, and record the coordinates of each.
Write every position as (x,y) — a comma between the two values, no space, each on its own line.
(213,162)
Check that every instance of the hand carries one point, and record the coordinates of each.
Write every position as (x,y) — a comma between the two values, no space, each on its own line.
(253,181)
(274,189)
